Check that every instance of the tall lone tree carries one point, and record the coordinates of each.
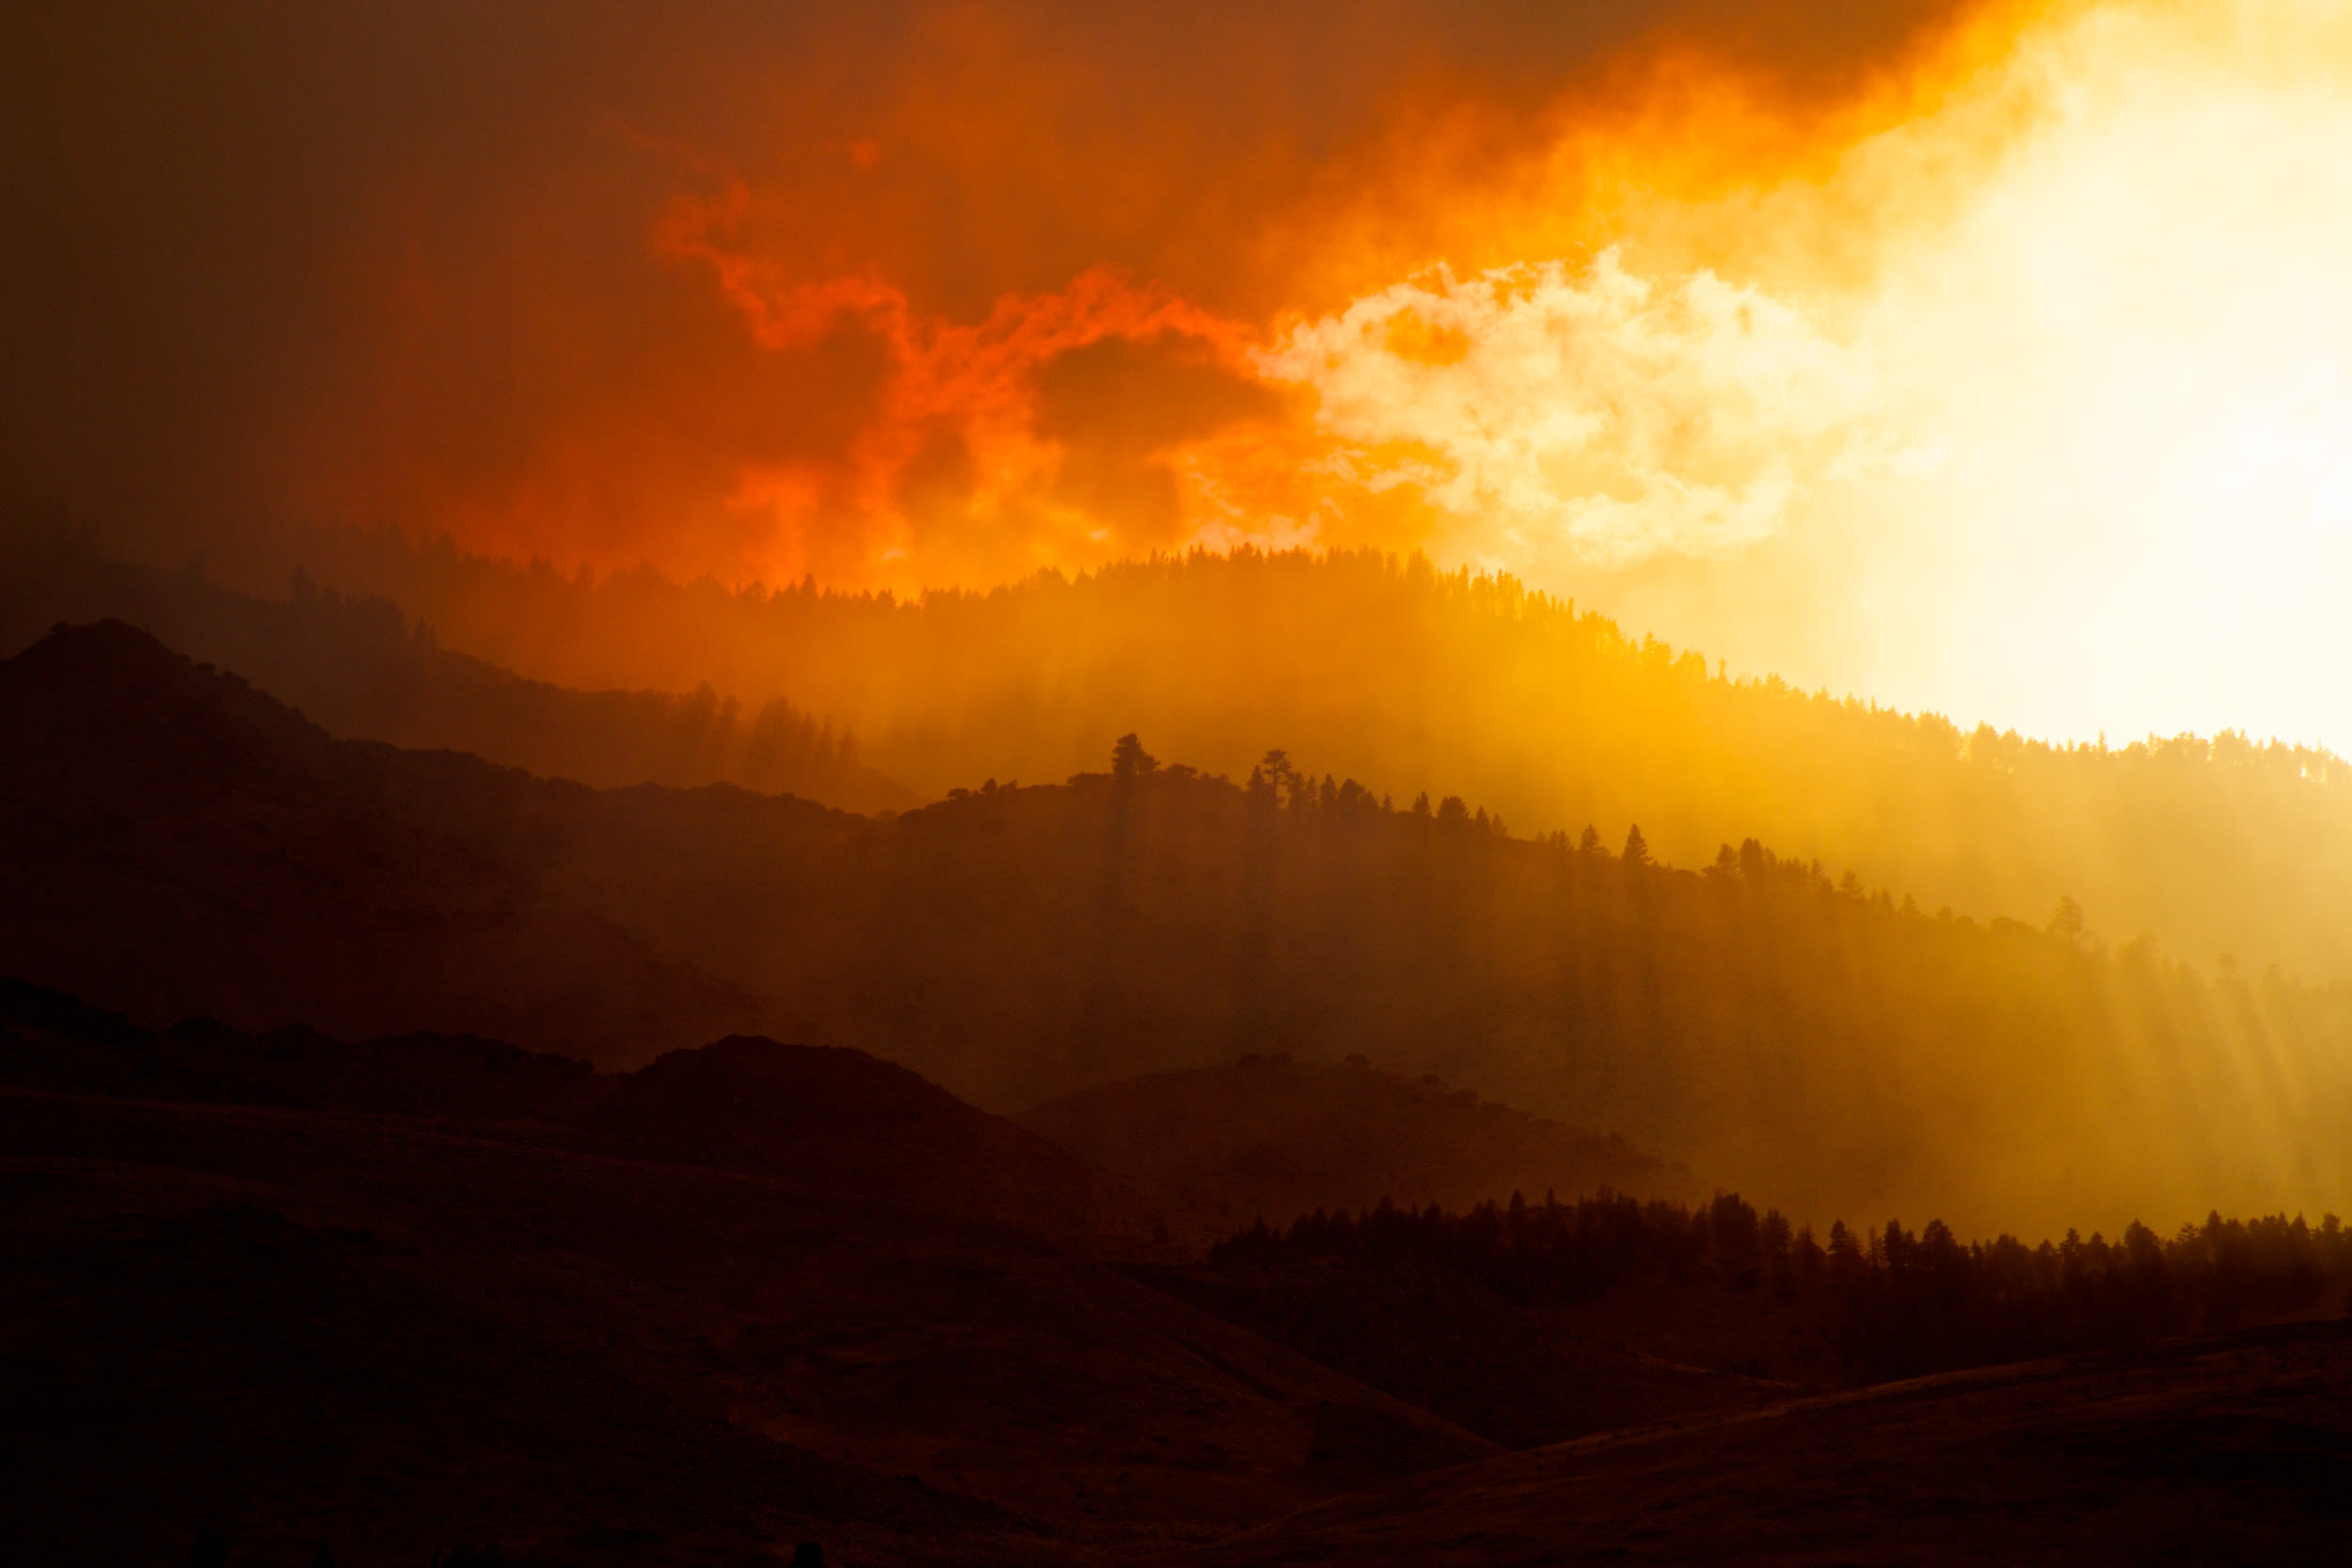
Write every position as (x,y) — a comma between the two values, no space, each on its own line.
(1130,761)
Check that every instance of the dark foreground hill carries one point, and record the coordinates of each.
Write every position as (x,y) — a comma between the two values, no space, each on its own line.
(827,1119)
(184,845)
(2236,1448)
(189,1357)
(399,1334)
(1270,1137)
(532,1307)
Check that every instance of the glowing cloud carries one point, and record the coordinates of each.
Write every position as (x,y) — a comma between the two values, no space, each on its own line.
(1984,354)
(2106,285)
(2036,407)
(1599,418)
(966,397)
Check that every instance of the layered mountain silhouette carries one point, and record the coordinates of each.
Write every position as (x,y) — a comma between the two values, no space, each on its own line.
(1411,678)
(761,1289)
(363,669)
(835,1118)
(49,1040)
(330,1260)
(189,846)
(264,1293)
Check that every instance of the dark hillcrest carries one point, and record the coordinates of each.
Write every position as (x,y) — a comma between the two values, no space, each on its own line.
(1412,678)
(359,667)
(188,846)
(52,1042)
(224,1314)
(1269,1137)
(833,1118)
(826,1119)
(2231,1449)
(192,848)
(748,1292)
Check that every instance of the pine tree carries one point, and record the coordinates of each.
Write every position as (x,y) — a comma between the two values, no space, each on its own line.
(1130,761)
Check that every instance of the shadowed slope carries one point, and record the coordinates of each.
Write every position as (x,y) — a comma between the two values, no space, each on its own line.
(1433,1339)
(221,1364)
(186,844)
(49,1040)
(2236,1448)
(894,1340)
(831,1117)
(190,848)
(828,1119)
(358,667)
(1410,679)
(1271,1138)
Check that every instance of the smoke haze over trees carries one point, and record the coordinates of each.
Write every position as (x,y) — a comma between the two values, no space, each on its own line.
(363,669)
(1836,1047)
(1413,680)
(1046,785)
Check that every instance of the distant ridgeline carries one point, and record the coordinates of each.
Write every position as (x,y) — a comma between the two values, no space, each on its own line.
(358,666)
(1901,1304)
(1412,679)
(191,848)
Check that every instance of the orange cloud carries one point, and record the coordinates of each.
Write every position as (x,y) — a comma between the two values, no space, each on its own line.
(984,423)
(948,293)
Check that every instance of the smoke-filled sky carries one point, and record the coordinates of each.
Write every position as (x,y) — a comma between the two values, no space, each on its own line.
(1989,358)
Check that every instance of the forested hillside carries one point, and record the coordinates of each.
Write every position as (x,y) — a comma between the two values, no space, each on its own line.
(1410,679)
(359,667)
(194,847)
(1884,1301)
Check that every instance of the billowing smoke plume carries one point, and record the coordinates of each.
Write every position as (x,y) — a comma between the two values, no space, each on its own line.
(896,293)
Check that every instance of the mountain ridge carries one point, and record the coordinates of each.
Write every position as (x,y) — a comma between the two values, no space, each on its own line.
(359,667)
(1015,945)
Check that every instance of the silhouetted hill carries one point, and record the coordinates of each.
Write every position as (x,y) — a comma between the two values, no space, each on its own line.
(185,846)
(192,848)
(828,1119)
(295,1326)
(1434,1338)
(1772,1031)
(399,1336)
(360,668)
(191,1362)
(2236,1448)
(398,1333)
(1412,679)
(835,1118)
(1270,1137)
(52,1041)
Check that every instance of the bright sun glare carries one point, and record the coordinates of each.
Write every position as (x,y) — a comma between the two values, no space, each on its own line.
(2073,455)
(2134,339)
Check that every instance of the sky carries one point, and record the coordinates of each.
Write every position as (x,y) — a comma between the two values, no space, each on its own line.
(1986,357)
